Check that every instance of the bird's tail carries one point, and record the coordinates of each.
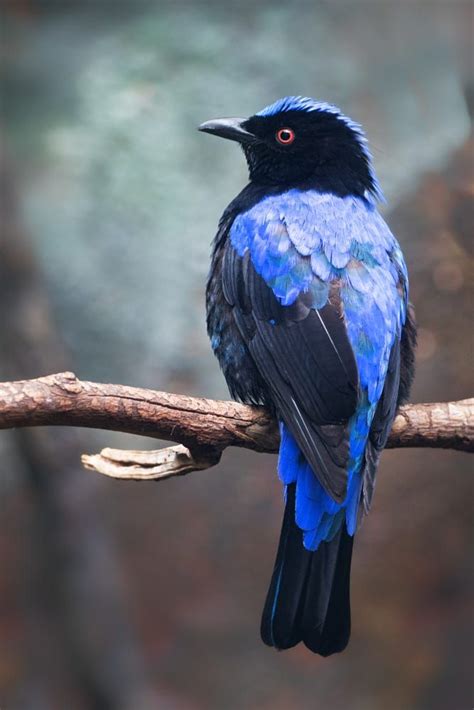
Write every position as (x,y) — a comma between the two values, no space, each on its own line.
(308,599)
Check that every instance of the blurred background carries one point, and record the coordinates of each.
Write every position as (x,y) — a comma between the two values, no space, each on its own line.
(139,596)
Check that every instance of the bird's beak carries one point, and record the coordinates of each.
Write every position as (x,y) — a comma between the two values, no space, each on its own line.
(230,128)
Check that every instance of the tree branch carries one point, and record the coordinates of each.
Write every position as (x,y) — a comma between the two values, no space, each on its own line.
(203,427)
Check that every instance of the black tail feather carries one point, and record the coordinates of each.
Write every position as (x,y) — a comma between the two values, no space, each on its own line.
(308,599)
(280,620)
(336,630)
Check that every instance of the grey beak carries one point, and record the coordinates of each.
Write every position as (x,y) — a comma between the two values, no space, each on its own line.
(230,128)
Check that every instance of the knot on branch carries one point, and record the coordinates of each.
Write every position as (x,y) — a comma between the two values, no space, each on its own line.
(66,382)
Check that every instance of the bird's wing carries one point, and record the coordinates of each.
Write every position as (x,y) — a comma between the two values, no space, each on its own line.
(390,398)
(292,323)
(381,425)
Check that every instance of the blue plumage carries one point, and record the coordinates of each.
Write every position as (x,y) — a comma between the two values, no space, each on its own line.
(307,310)
(299,242)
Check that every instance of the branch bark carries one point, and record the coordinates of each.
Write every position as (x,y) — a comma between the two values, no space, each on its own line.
(203,427)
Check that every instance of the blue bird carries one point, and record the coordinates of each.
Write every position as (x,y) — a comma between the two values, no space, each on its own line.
(308,315)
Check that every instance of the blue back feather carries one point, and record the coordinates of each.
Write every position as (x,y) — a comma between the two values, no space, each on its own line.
(300,241)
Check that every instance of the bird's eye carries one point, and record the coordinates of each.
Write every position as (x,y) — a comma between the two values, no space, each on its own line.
(285,136)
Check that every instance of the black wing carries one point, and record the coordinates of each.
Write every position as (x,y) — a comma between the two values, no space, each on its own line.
(306,359)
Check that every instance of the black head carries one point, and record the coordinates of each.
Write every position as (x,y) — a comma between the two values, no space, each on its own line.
(298,141)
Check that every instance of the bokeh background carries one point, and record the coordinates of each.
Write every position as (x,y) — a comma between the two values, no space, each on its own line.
(140,596)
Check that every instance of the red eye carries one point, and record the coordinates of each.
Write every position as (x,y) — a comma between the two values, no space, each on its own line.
(285,136)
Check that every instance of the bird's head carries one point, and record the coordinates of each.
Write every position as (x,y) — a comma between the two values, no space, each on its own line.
(299,141)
